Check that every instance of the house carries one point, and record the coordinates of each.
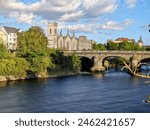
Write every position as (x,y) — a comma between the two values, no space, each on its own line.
(8,36)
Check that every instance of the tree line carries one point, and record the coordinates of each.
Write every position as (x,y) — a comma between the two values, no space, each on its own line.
(125,45)
(33,57)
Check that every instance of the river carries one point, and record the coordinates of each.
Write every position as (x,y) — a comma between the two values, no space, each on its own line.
(92,93)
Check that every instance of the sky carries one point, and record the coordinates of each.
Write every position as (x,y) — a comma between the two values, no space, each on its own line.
(99,20)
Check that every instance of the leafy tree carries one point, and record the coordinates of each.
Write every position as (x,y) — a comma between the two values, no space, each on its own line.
(3,51)
(112,46)
(125,45)
(62,62)
(74,63)
(57,56)
(39,65)
(32,45)
(137,47)
(32,42)
(98,46)
(13,67)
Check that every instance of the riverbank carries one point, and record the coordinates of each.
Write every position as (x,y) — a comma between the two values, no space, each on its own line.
(58,74)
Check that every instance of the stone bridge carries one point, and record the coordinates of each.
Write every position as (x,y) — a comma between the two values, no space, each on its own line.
(99,56)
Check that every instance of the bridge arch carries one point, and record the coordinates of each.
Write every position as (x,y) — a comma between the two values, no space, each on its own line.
(145,58)
(99,56)
(113,60)
(125,57)
(86,64)
(109,58)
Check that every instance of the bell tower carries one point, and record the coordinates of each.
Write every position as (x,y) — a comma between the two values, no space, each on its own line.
(52,35)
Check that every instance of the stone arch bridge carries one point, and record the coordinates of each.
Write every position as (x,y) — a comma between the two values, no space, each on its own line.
(99,56)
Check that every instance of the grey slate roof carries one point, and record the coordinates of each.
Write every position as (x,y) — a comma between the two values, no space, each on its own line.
(11,29)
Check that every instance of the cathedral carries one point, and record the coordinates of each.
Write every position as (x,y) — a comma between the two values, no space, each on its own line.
(66,42)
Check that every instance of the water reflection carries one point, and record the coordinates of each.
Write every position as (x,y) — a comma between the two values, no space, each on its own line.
(99,75)
(107,92)
(3,84)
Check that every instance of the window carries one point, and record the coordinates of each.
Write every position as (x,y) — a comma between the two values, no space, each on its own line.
(50,31)
(10,39)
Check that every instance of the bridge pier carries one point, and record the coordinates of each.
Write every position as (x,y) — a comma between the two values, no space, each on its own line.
(100,55)
(98,66)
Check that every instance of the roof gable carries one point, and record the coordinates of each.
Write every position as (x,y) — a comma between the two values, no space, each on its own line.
(11,29)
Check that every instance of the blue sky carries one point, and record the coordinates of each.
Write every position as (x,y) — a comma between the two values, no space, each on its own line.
(100,20)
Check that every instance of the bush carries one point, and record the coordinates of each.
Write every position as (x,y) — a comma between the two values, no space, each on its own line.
(14,67)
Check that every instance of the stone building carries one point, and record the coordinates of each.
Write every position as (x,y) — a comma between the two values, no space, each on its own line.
(8,36)
(66,42)
(120,40)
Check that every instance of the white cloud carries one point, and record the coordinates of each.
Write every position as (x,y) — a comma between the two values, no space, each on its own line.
(97,27)
(99,7)
(128,22)
(87,28)
(130,3)
(23,17)
(113,25)
(64,10)
(72,17)
(42,11)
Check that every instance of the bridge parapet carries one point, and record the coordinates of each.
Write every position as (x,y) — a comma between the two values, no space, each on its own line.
(99,56)
(105,52)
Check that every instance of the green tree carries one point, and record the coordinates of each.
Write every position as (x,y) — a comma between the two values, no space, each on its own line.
(62,62)
(32,42)
(4,52)
(137,47)
(112,46)
(14,67)
(39,65)
(32,45)
(125,45)
(98,46)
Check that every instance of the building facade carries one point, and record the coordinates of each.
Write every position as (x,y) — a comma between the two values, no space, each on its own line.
(120,40)
(8,36)
(66,42)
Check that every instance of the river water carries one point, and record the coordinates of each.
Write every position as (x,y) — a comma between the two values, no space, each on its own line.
(97,93)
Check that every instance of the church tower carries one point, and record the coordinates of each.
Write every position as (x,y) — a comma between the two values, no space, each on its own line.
(140,42)
(52,35)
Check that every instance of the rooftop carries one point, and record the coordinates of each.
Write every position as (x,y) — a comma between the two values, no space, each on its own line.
(11,29)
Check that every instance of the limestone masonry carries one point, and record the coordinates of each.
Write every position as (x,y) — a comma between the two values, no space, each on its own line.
(66,42)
